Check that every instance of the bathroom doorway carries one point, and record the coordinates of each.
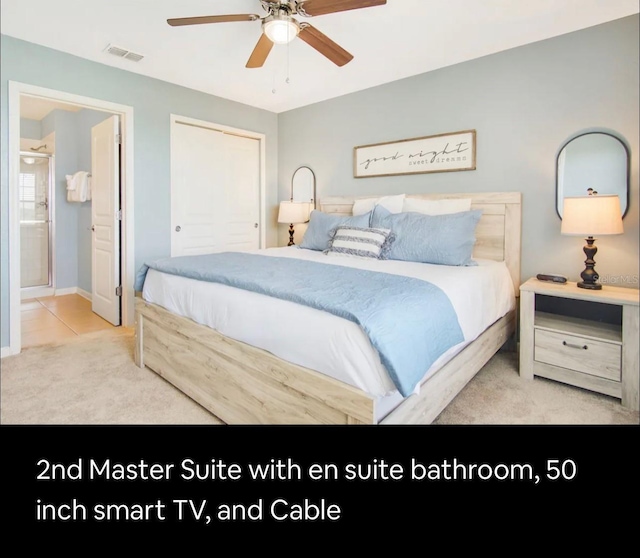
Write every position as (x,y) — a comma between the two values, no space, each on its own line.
(69,214)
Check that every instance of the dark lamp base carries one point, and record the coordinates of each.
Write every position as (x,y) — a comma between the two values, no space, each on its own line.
(592,286)
(589,275)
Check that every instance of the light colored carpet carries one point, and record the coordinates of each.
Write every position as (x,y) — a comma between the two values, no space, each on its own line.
(93,380)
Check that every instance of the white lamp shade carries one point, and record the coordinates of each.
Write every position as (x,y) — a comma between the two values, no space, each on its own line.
(592,215)
(293,212)
(280,29)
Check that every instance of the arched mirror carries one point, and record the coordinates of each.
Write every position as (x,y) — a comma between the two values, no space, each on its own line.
(303,186)
(596,160)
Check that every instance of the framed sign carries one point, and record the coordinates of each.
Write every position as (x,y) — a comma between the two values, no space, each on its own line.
(455,151)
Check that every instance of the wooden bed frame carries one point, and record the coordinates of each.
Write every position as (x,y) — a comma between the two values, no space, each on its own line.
(241,384)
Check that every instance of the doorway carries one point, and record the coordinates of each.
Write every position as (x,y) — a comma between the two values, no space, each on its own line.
(87,183)
(123,213)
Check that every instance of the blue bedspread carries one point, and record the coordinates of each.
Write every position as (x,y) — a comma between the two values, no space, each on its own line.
(410,322)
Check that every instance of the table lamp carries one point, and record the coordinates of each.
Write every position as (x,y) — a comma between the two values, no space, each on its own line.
(590,216)
(293,213)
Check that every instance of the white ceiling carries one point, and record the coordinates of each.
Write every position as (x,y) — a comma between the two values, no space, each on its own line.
(36,108)
(398,40)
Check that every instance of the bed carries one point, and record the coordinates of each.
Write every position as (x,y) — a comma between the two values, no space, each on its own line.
(253,359)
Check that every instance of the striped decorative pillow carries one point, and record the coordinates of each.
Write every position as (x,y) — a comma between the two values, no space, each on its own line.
(361,242)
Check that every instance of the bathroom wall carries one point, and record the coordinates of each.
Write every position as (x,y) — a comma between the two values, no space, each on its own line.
(65,214)
(30,129)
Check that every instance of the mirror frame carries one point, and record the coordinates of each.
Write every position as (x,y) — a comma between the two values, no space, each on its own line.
(313,176)
(628,166)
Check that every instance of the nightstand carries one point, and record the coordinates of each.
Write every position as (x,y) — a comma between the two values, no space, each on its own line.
(586,338)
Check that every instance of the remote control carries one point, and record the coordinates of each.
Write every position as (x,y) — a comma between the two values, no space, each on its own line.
(554,278)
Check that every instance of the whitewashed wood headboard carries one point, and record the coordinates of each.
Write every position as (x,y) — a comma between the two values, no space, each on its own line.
(498,235)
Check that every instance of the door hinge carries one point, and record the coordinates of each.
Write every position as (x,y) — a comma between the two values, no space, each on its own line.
(119,138)
(119,290)
(119,215)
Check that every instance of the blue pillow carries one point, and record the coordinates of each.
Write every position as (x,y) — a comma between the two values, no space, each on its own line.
(437,239)
(321,226)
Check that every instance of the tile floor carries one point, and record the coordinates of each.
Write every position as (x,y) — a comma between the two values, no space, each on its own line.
(56,318)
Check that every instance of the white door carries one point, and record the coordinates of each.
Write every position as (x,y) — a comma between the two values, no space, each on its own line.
(196,167)
(240,228)
(215,191)
(105,205)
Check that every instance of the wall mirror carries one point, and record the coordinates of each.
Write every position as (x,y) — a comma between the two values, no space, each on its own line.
(596,160)
(303,186)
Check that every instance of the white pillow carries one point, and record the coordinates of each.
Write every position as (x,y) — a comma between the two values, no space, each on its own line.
(394,204)
(436,207)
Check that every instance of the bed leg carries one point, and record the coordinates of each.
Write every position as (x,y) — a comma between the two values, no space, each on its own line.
(137,349)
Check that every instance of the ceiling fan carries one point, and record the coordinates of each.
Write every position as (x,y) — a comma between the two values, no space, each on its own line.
(279,26)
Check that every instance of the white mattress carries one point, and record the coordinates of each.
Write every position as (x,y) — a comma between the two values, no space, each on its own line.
(321,341)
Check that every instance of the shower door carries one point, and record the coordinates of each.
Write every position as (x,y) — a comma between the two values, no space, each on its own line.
(35,220)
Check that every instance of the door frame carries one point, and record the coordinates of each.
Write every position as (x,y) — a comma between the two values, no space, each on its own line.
(127,252)
(176,119)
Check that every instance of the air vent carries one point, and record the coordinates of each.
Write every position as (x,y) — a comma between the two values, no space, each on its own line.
(124,53)
(133,56)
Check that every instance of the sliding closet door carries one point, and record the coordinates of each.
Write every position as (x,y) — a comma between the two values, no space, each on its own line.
(215,187)
(240,230)
(196,165)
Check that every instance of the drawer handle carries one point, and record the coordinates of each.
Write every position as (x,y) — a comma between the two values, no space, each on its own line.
(575,346)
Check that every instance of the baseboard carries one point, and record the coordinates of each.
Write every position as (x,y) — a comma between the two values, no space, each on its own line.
(67,291)
(6,351)
(84,294)
(36,292)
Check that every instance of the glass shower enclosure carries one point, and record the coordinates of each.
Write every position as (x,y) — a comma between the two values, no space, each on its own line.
(35,220)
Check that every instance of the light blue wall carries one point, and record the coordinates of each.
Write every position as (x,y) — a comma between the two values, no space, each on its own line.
(524,104)
(64,124)
(30,129)
(153,101)
(72,219)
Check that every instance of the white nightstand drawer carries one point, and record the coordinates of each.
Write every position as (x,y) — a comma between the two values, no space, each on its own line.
(578,353)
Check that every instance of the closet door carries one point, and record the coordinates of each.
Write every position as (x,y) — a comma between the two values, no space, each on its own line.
(240,229)
(196,190)
(215,187)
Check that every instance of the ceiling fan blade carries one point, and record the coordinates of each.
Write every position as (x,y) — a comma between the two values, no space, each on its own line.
(324,45)
(212,19)
(322,7)
(260,52)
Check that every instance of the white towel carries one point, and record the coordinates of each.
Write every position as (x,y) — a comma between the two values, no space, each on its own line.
(78,187)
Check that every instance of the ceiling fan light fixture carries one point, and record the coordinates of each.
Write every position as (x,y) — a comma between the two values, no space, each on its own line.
(280,29)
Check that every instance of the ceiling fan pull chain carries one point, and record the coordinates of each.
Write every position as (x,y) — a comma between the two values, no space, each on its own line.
(288,65)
